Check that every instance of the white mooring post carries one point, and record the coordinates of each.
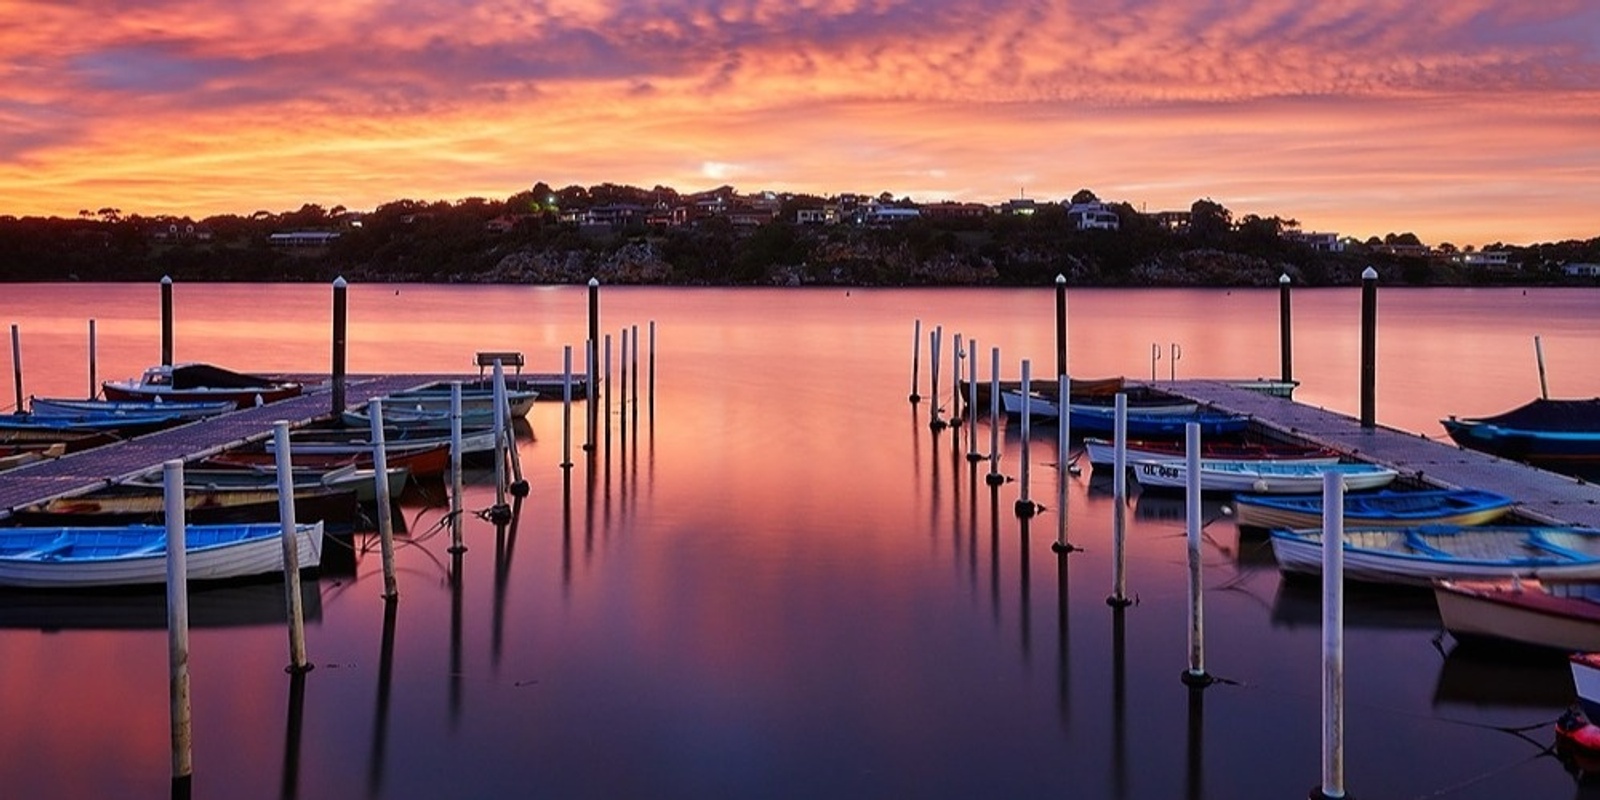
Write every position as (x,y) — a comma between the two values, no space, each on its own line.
(1064,460)
(380,463)
(1332,635)
(499,400)
(178,621)
(291,547)
(972,402)
(566,407)
(1024,506)
(934,353)
(956,354)
(456,482)
(994,478)
(1195,675)
(1119,511)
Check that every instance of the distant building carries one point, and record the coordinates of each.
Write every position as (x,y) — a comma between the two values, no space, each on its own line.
(1486,259)
(1319,241)
(886,215)
(1093,216)
(302,238)
(952,210)
(1022,207)
(827,215)
(1171,221)
(1584,270)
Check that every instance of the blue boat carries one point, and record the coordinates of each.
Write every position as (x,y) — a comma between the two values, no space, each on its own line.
(1095,421)
(69,557)
(120,424)
(1382,509)
(1552,433)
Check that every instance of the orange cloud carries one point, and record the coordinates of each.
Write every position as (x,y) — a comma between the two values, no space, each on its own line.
(1469,123)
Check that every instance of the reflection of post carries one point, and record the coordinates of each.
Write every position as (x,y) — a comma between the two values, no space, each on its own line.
(291,737)
(505,539)
(1119,702)
(1063,648)
(1025,578)
(380,717)
(1195,774)
(456,582)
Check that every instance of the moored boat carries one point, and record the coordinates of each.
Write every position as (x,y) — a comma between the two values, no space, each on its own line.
(200,383)
(362,481)
(425,462)
(1585,668)
(1421,555)
(72,407)
(1103,451)
(1559,615)
(1383,509)
(137,554)
(1264,477)
(518,402)
(120,425)
(1039,404)
(1543,432)
(125,504)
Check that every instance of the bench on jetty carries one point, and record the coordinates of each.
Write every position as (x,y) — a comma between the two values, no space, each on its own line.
(507,358)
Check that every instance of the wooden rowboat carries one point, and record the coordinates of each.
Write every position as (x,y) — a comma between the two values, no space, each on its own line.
(1419,556)
(137,554)
(1521,610)
(131,505)
(1385,509)
(1264,477)
(1103,451)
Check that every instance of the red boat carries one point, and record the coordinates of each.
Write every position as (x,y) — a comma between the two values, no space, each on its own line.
(200,383)
(430,462)
(1101,451)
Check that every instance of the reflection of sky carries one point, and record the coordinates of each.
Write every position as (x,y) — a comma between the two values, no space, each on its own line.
(1471,123)
(784,580)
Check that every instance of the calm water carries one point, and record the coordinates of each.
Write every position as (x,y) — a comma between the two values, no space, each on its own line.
(771,579)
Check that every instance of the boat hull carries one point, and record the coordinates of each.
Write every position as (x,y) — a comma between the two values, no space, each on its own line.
(1520,611)
(1259,477)
(1382,510)
(1585,668)
(136,555)
(1420,556)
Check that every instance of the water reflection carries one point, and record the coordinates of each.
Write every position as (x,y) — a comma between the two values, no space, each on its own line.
(1298,603)
(290,784)
(380,716)
(1474,675)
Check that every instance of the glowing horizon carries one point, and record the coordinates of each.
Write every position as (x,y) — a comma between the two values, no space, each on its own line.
(1471,124)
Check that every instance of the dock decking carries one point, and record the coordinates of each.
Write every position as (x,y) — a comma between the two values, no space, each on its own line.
(1543,496)
(79,473)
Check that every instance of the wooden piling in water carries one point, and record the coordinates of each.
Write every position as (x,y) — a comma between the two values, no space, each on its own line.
(1369,346)
(994,478)
(1285,350)
(16,362)
(916,358)
(94,383)
(1119,511)
(1332,635)
(1025,506)
(380,463)
(178,622)
(566,406)
(1195,675)
(291,548)
(1063,461)
(1061,325)
(973,455)
(341,326)
(166,321)
(456,522)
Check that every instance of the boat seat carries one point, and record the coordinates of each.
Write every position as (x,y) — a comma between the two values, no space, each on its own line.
(54,549)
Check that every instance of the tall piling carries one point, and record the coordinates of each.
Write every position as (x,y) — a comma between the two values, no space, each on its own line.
(1369,346)
(178,624)
(1285,336)
(1061,325)
(1119,510)
(1332,636)
(291,548)
(340,337)
(16,363)
(166,321)
(380,463)
(1195,675)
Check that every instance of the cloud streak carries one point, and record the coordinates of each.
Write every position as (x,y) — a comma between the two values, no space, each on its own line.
(1365,115)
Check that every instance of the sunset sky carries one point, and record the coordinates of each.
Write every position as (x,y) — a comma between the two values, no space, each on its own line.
(1465,121)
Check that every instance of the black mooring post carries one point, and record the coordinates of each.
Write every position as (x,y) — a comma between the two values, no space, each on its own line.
(340,332)
(1369,345)
(1061,325)
(594,310)
(166,321)
(1284,336)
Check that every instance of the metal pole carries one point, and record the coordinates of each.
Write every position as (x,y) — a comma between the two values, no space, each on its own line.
(1063,460)
(1196,674)
(1024,506)
(916,358)
(1172,363)
(1538,352)
(566,406)
(1369,345)
(340,337)
(607,392)
(956,354)
(291,548)
(594,309)
(1119,501)
(380,463)
(456,523)
(1061,325)
(500,505)
(1285,350)
(1332,634)
(972,403)
(94,383)
(935,338)
(16,362)
(652,370)
(994,478)
(178,621)
(166,321)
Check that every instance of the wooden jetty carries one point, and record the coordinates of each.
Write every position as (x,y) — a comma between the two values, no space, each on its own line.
(1543,497)
(83,472)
